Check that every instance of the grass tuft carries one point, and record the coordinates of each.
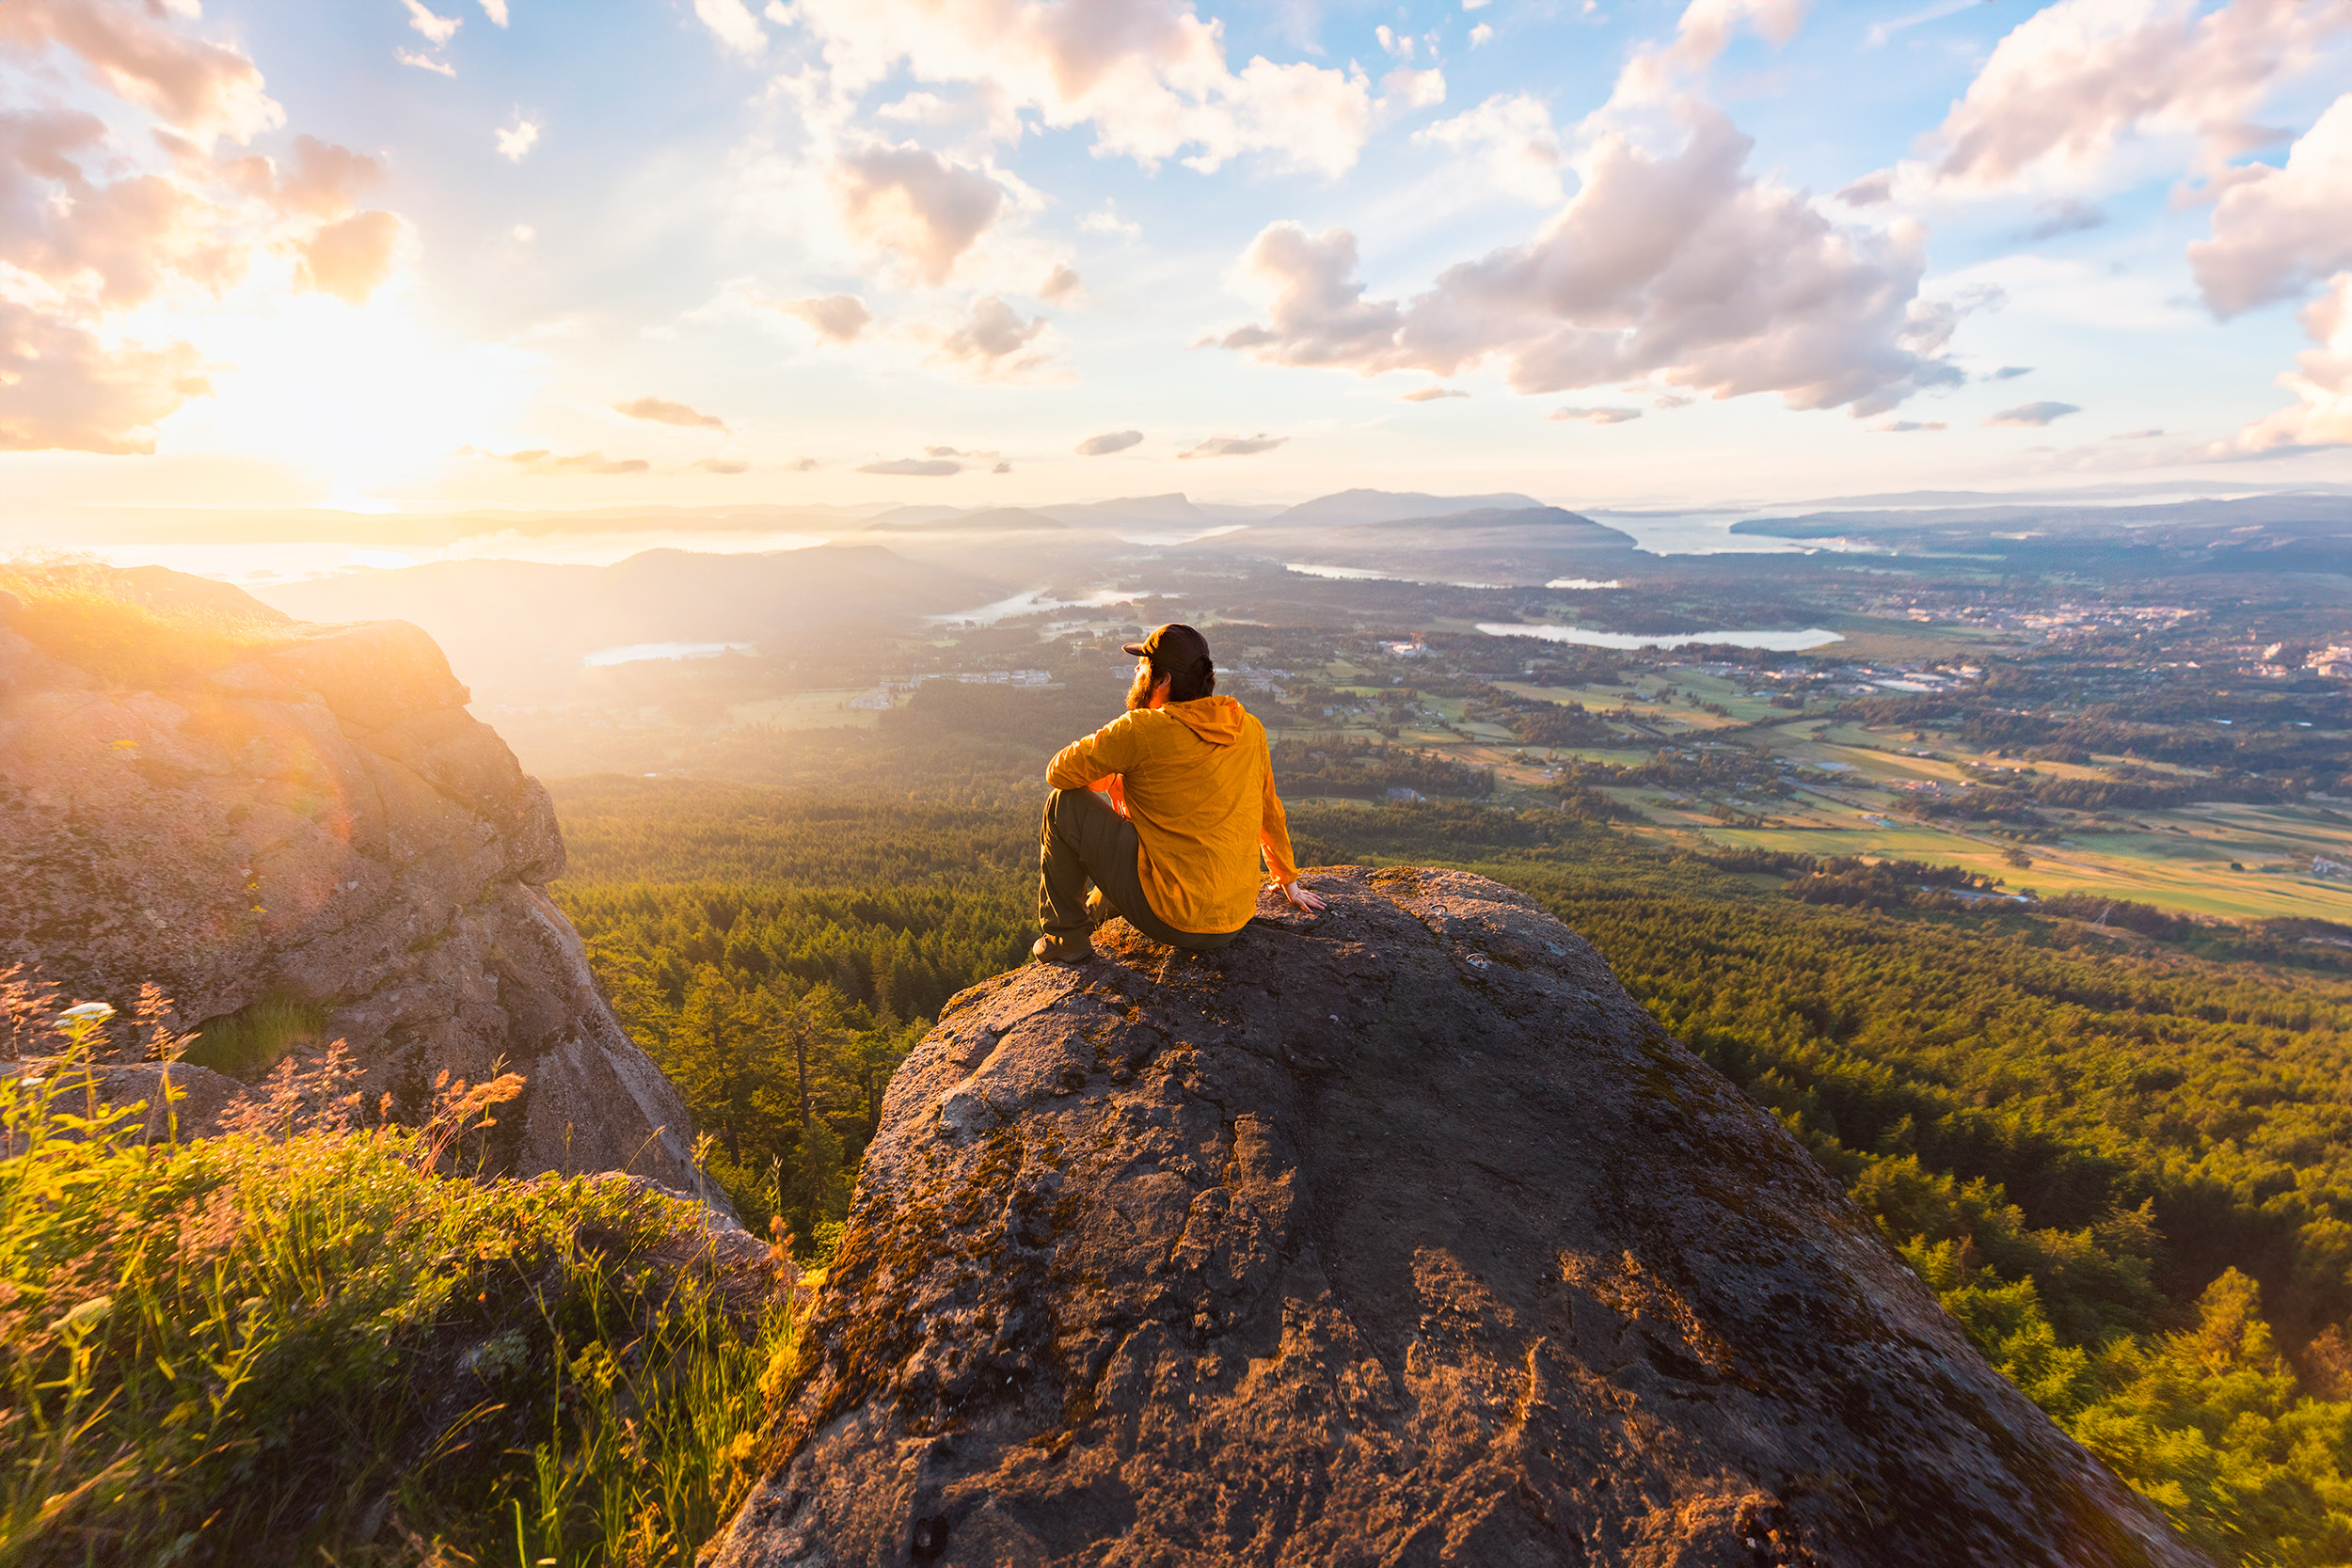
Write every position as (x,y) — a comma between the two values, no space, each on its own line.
(93,621)
(303,1345)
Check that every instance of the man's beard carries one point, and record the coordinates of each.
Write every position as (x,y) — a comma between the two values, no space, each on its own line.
(1139,691)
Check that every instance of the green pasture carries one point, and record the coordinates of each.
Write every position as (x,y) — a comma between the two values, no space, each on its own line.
(808,710)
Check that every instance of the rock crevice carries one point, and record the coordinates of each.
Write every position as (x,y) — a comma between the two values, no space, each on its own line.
(1399,1236)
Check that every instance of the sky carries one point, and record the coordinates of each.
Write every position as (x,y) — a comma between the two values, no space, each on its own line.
(405,256)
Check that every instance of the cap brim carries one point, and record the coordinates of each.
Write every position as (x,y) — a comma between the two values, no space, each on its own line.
(1135,648)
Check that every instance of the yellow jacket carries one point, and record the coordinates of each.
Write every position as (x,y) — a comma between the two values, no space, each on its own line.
(1199,786)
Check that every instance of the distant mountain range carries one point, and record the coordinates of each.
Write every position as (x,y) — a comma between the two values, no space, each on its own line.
(2291,532)
(1390,506)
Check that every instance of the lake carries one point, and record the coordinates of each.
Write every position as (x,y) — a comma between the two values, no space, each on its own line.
(633,652)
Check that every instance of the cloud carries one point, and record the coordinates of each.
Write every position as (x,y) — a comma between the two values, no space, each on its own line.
(662,411)
(518,139)
(2010,373)
(1431,394)
(1684,267)
(1404,91)
(351,259)
(732,23)
(837,318)
(1062,284)
(1870,190)
(2032,414)
(1596,415)
(62,387)
(1105,220)
(129,48)
(541,461)
(131,209)
(912,201)
(2074,80)
(2067,216)
(496,11)
(325,180)
(129,237)
(2321,382)
(1150,76)
(722,466)
(1480,34)
(437,30)
(993,340)
(803,465)
(1907,427)
(1319,314)
(1103,446)
(1511,139)
(425,62)
(1673,399)
(918,468)
(1234,446)
(2148,434)
(1653,73)
(2278,231)
(1935,11)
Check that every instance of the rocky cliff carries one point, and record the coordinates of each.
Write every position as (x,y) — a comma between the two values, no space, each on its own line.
(1401,1236)
(314,825)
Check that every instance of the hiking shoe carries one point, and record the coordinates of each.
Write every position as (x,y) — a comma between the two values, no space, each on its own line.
(1050,949)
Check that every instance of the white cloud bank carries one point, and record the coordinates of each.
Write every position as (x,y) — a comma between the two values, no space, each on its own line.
(1151,76)
(1684,268)
(2066,89)
(2277,232)
(94,227)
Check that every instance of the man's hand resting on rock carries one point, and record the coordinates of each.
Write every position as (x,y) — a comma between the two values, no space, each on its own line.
(1298,897)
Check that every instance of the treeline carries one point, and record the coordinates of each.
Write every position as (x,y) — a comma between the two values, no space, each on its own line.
(779,956)
(2272,745)
(2128,1172)
(2126,1169)
(1353,768)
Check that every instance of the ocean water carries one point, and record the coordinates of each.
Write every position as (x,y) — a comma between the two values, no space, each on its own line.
(1776,641)
(1694,533)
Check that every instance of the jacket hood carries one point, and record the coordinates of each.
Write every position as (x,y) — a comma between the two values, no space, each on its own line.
(1217,720)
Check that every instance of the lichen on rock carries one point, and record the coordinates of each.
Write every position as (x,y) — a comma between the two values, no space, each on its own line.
(1400,1235)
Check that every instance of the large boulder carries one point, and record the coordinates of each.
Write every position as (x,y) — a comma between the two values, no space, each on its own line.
(1399,1236)
(320,825)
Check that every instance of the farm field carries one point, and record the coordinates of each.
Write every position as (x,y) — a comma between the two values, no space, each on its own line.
(808,710)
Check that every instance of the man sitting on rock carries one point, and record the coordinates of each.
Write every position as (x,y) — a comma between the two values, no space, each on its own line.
(1166,810)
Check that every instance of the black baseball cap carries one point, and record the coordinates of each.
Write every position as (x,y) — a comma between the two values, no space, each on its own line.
(1172,647)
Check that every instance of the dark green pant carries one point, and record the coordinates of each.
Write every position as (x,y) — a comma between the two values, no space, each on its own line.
(1082,838)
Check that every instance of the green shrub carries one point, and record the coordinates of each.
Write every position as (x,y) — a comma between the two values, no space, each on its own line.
(252,1039)
(296,1342)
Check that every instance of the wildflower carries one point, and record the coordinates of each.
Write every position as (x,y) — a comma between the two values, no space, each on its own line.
(89,1012)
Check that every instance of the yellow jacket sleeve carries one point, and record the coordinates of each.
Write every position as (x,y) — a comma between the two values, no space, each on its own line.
(1274,834)
(1110,749)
